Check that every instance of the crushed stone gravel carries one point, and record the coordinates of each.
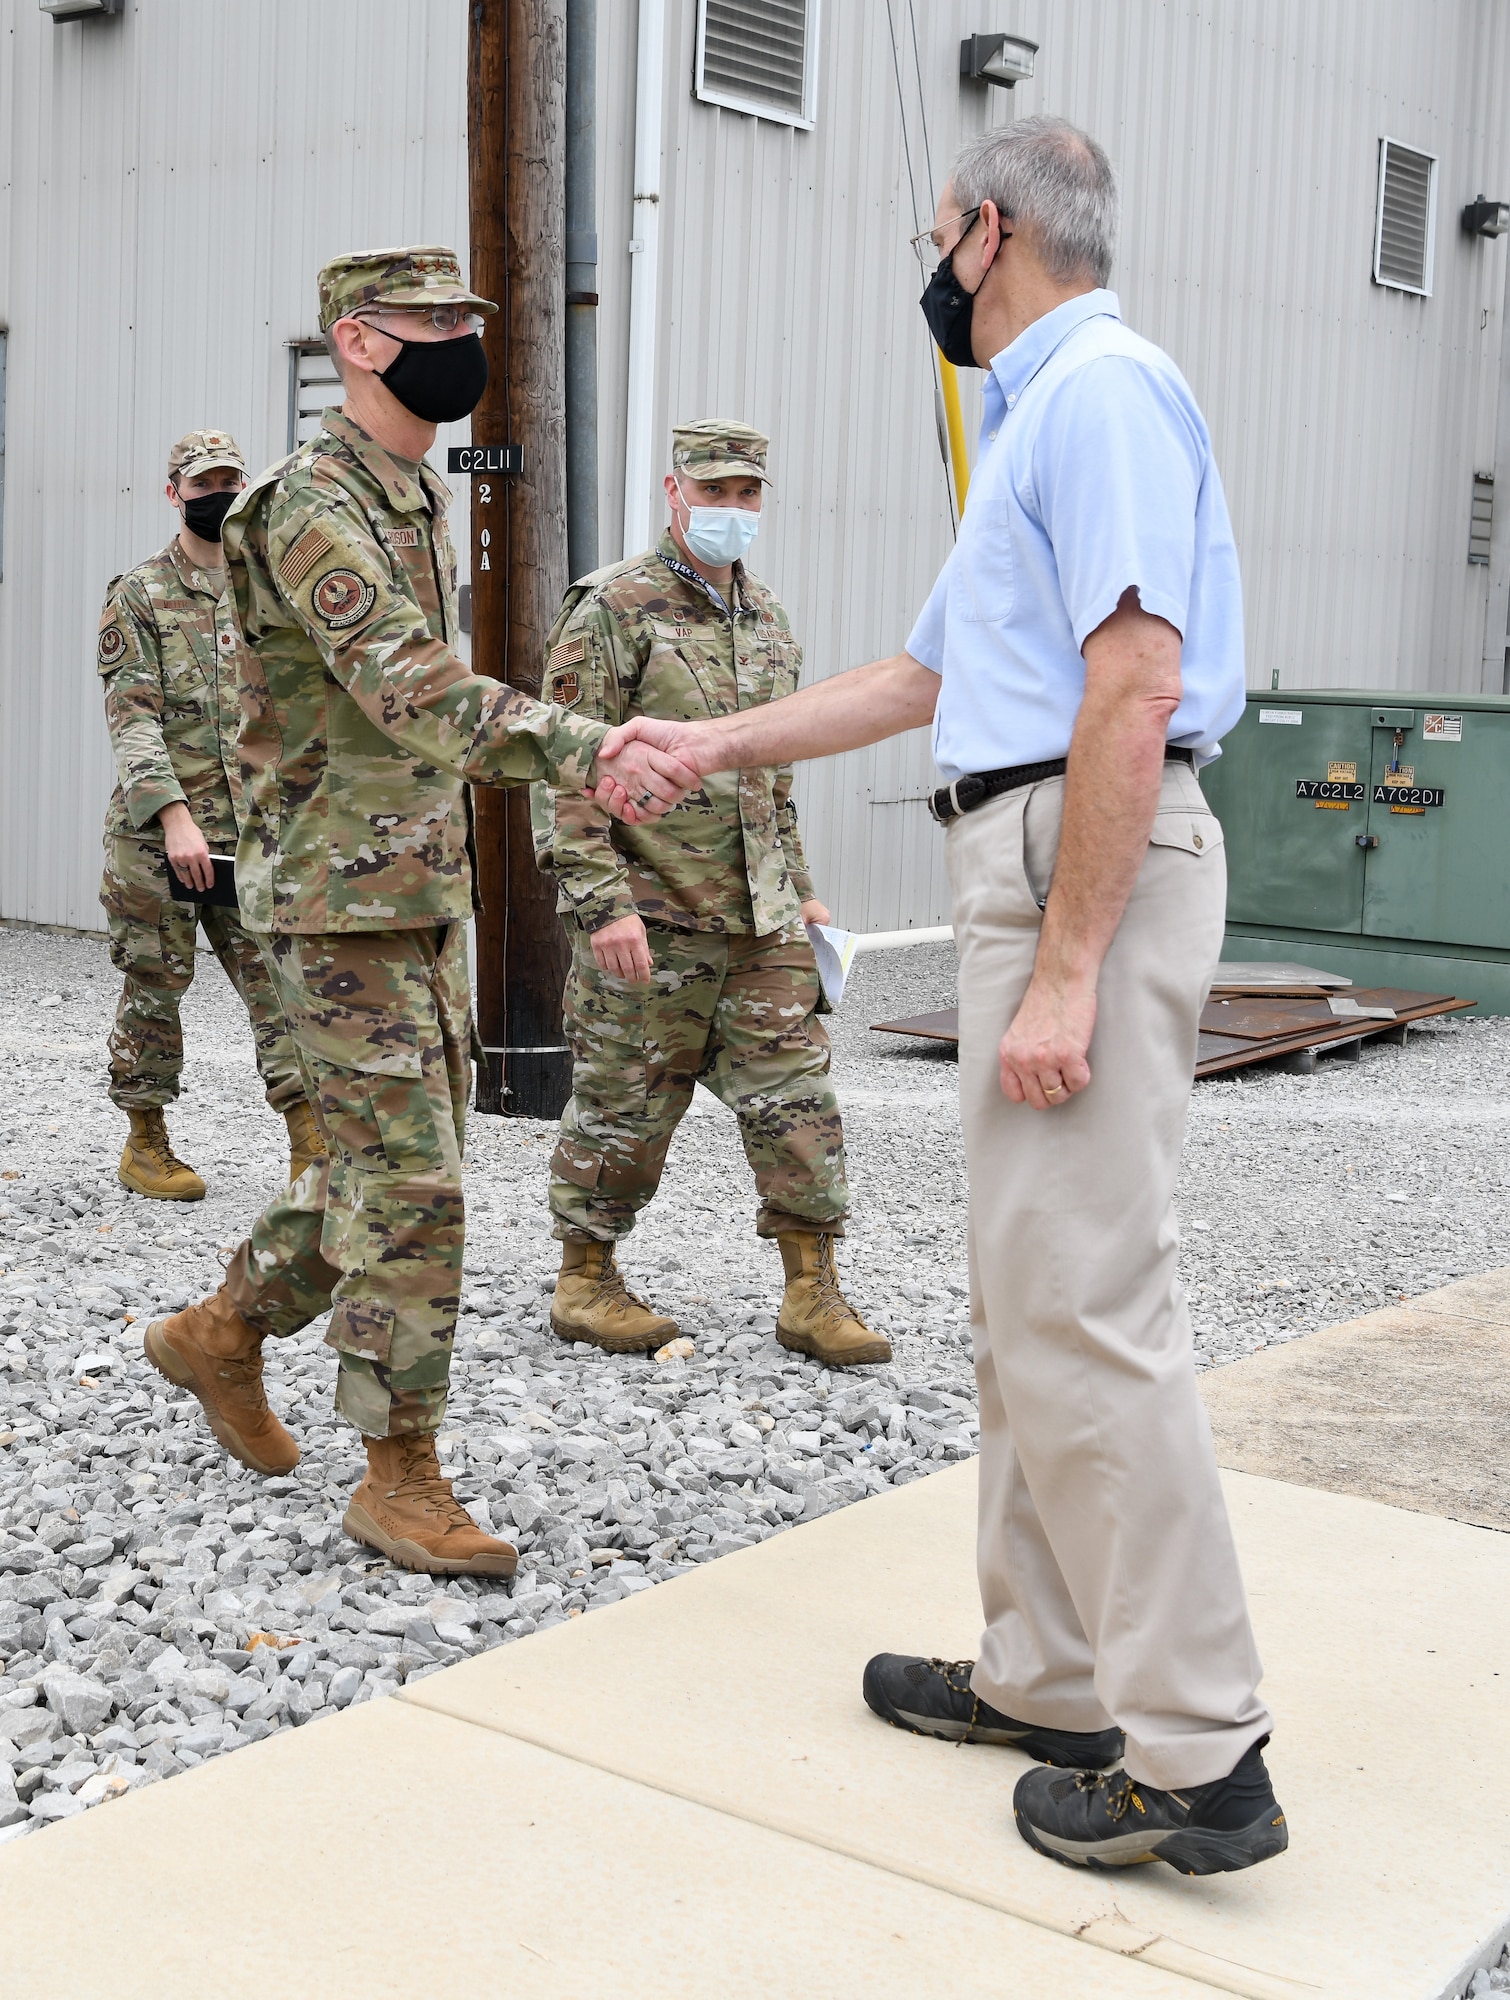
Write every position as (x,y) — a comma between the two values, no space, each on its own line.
(159,1606)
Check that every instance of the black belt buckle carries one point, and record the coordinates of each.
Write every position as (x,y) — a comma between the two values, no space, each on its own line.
(963,796)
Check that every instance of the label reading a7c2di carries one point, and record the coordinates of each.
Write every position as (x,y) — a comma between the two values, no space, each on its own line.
(1408,795)
(1329,788)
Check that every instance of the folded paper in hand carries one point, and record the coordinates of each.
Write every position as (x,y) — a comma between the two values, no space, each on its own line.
(834,949)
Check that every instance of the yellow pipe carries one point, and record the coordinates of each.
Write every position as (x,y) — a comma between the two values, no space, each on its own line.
(954,419)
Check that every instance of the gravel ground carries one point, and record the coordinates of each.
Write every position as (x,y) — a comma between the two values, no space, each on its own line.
(158,1606)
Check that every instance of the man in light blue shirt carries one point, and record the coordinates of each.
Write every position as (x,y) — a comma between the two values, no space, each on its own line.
(1080,655)
(1095,476)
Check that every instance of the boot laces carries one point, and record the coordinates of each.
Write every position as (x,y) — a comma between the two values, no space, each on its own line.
(422,1482)
(611,1289)
(956,1676)
(831,1300)
(158,1145)
(1120,1792)
(243,1372)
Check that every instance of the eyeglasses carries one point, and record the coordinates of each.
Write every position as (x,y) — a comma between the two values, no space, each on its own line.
(929,251)
(445,319)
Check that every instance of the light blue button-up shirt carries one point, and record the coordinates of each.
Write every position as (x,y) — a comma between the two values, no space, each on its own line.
(1095,475)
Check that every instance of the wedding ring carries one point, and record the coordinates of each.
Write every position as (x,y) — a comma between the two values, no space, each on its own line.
(1054,1091)
(646,797)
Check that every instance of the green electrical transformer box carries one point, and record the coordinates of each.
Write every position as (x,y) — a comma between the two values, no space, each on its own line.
(1369,835)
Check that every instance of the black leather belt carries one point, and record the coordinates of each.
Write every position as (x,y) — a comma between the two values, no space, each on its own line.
(973,790)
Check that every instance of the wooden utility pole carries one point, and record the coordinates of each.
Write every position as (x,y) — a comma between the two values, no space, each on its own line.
(516,150)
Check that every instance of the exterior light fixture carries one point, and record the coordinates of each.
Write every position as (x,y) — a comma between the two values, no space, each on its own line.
(78,10)
(1486,218)
(1003,59)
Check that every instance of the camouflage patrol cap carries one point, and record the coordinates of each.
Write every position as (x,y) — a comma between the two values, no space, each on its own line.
(426,274)
(715,448)
(204,451)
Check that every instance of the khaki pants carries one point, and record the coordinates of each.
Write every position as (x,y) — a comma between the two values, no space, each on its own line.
(1108,1576)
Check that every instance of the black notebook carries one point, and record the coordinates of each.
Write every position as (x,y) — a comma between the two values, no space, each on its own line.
(222,891)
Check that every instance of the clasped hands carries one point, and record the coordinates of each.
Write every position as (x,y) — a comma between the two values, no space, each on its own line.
(646,766)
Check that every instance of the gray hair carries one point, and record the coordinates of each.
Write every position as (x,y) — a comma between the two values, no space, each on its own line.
(1053,177)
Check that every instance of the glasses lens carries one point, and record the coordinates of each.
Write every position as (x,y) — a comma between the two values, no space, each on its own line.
(928,253)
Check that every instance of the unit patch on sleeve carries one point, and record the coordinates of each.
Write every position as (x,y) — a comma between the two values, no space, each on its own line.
(112,646)
(566,687)
(341,597)
(303,556)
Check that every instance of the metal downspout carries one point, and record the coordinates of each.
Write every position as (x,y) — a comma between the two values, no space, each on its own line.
(644,246)
(581,288)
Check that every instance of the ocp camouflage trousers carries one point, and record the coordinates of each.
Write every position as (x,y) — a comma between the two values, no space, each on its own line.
(737,1014)
(152,942)
(381,1023)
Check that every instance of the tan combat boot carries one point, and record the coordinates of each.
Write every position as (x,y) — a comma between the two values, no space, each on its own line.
(593,1303)
(406,1509)
(306,1143)
(149,1165)
(210,1350)
(815,1316)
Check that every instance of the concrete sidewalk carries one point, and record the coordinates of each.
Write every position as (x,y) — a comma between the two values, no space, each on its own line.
(1410,1405)
(684,1795)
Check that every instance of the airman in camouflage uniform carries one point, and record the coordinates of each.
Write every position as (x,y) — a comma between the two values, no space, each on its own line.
(725,991)
(168,651)
(362,727)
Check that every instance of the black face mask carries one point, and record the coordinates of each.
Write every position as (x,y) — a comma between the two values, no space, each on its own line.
(440,381)
(947,307)
(204,514)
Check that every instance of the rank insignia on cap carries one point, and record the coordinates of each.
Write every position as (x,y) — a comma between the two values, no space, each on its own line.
(566,688)
(112,645)
(342,597)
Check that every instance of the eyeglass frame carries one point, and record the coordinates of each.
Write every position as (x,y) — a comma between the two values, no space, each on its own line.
(915,243)
(374,315)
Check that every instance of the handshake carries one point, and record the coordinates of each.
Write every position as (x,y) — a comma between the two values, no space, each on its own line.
(646,765)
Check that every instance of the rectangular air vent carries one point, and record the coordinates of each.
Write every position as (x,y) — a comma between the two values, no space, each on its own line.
(1405,226)
(759,56)
(1481,517)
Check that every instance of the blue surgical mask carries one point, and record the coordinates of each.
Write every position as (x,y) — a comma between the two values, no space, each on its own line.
(719,535)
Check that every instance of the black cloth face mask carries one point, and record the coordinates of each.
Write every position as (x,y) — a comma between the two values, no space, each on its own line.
(205,513)
(947,307)
(439,381)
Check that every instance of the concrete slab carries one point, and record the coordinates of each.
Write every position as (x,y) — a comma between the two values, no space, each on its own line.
(1485,1297)
(392,1851)
(1409,1405)
(738,1687)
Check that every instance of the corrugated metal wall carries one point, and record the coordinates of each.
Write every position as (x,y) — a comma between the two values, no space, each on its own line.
(789,299)
(172,180)
(1348,419)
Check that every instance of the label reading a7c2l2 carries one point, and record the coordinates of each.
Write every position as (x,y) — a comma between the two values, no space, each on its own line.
(1329,788)
(1408,795)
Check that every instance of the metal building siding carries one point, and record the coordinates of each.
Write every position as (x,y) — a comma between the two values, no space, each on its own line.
(153,262)
(789,299)
(1348,419)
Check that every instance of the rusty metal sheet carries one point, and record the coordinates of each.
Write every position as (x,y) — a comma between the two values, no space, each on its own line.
(940,1027)
(1251,1028)
(1259,1018)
